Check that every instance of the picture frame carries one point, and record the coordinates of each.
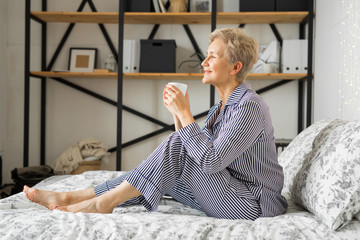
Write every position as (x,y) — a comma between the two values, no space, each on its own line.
(82,59)
(200,5)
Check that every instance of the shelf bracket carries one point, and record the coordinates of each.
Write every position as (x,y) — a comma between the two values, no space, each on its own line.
(272,86)
(154,31)
(104,32)
(27,84)
(194,43)
(276,33)
(64,38)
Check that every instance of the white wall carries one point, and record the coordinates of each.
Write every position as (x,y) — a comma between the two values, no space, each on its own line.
(3,75)
(72,115)
(337,65)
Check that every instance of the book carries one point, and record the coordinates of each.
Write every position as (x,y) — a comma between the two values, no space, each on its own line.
(156,5)
(162,7)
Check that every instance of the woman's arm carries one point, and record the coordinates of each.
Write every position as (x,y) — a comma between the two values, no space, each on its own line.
(233,136)
(177,123)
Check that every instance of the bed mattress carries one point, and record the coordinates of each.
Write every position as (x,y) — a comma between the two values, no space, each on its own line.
(22,219)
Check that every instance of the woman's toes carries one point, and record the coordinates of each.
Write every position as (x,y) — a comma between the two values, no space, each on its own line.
(27,192)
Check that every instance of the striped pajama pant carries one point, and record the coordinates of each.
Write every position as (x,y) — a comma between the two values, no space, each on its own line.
(169,170)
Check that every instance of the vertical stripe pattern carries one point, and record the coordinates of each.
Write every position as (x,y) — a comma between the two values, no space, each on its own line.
(228,169)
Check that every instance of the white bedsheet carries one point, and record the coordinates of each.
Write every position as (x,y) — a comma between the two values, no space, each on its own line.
(22,219)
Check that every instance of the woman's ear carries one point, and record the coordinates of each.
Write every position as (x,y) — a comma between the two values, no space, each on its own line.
(236,68)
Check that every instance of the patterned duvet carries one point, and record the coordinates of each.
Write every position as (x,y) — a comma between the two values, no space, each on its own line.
(22,219)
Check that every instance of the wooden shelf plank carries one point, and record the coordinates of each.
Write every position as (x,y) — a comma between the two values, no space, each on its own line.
(172,18)
(77,17)
(260,17)
(73,75)
(163,76)
(167,18)
(276,76)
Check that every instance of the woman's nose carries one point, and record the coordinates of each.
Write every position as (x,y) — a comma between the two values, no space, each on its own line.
(204,63)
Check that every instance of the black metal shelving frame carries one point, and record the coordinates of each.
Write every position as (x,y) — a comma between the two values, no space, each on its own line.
(118,55)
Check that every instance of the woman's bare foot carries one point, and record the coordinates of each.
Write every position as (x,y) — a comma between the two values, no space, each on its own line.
(45,198)
(83,200)
(106,202)
(93,205)
(52,200)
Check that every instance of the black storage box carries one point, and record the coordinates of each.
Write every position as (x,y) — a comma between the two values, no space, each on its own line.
(257,5)
(157,55)
(139,6)
(292,5)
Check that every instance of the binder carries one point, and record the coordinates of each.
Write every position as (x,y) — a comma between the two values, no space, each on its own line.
(304,56)
(294,56)
(127,56)
(135,56)
(131,56)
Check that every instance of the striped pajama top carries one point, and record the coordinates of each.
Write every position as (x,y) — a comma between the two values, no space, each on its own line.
(240,138)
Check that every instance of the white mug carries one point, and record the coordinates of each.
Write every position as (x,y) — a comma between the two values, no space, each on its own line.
(181,86)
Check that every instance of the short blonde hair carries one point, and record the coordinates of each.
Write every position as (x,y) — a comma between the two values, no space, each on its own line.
(239,47)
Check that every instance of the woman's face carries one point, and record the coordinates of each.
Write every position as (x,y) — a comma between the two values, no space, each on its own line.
(216,67)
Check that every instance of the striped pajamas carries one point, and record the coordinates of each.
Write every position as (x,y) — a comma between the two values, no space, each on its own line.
(228,169)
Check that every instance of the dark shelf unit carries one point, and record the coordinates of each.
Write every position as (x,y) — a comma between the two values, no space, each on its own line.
(121,17)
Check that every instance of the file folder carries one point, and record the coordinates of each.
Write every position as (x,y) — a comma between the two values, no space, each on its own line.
(304,56)
(127,53)
(135,56)
(294,56)
(131,56)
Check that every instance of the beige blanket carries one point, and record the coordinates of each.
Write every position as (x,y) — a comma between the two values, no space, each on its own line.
(69,160)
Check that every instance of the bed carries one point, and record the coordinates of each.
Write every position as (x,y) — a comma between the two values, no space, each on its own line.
(321,167)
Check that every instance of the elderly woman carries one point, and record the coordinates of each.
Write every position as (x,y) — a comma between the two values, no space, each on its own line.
(228,169)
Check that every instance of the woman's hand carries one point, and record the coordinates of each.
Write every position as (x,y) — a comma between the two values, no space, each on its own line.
(177,104)
(174,100)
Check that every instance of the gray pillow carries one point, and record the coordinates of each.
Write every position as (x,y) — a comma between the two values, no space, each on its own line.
(328,183)
(291,159)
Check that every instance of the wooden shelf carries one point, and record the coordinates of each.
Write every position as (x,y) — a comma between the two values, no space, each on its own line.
(171,18)
(260,17)
(276,76)
(73,75)
(163,76)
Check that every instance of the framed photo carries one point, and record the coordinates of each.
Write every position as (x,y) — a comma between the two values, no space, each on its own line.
(82,59)
(200,5)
